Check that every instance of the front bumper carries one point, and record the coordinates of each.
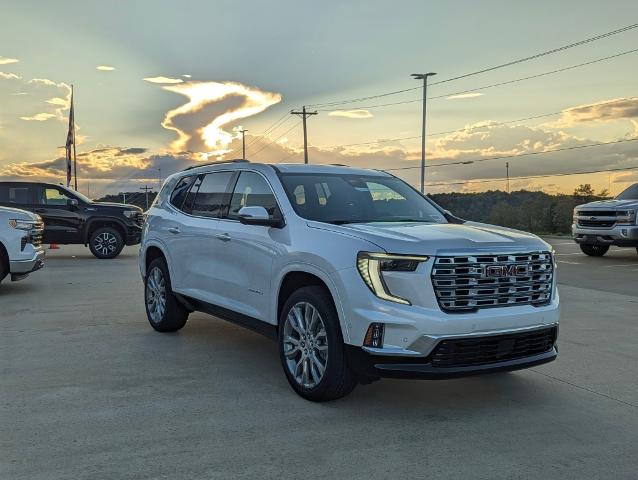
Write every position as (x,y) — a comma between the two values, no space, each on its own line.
(24,267)
(620,235)
(371,367)
(133,235)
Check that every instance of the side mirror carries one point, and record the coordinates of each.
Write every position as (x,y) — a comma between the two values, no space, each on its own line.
(257,216)
(72,202)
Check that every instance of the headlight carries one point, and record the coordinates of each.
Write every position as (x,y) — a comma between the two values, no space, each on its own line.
(627,217)
(22,224)
(130,213)
(371,266)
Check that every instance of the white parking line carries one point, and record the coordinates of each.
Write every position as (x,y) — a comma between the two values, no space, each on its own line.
(619,266)
(571,263)
(561,254)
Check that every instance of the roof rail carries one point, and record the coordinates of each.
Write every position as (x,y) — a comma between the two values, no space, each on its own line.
(237,160)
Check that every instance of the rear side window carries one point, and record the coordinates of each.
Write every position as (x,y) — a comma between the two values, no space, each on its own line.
(181,189)
(19,195)
(212,195)
(252,190)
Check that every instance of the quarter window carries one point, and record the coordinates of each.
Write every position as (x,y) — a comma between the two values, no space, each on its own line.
(212,196)
(180,191)
(252,190)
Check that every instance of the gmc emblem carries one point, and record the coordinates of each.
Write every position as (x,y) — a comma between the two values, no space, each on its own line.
(500,271)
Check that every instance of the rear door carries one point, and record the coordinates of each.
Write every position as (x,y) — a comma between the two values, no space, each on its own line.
(195,245)
(62,221)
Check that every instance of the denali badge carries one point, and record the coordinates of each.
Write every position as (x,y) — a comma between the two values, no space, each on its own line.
(514,270)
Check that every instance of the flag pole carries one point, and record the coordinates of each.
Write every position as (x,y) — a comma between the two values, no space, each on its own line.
(75,162)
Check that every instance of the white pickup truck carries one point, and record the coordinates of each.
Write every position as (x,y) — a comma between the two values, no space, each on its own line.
(21,251)
(598,225)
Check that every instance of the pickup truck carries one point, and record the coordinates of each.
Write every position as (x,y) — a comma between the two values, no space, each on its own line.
(21,251)
(598,225)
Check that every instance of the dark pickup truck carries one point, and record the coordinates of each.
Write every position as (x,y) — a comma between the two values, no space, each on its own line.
(71,218)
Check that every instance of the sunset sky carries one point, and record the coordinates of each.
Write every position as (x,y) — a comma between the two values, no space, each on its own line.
(162,84)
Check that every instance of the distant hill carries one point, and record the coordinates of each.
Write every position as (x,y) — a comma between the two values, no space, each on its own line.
(132,198)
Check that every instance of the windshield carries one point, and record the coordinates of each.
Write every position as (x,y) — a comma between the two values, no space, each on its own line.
(340,199)
(630,193)
(78,195)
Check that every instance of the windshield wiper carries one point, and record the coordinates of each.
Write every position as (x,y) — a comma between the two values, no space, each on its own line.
(342,222)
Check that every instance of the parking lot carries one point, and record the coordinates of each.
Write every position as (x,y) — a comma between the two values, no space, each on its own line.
(89,390)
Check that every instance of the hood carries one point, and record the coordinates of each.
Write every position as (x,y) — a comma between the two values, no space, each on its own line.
(432,238)
(122,206)
(17,214)
(609,204)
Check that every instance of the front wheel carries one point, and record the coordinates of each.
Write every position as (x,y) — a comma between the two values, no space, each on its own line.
(594,250)
(164,312)
(311,346)
(106,243)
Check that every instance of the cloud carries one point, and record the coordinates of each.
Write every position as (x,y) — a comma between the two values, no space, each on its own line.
(9,76)
(162,79)
(351,113)
(39,117)
(58,101)
(186,75)
(43,81)
(105,68)
(8,61)
(464,95)
(606,111)
(230,102)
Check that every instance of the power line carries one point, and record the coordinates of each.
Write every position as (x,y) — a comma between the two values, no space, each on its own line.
(527,177)
(275,140)
(492,85)
(507,64)
(544,152)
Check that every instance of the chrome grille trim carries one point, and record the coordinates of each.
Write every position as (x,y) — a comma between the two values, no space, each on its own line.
(461,286)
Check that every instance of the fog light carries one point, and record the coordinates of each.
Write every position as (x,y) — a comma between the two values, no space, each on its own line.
(374,335)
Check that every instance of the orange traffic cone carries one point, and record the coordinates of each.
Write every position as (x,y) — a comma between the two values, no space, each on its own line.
(54,246)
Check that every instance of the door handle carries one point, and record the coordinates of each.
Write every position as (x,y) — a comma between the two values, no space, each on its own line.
(174,230)
(224,237)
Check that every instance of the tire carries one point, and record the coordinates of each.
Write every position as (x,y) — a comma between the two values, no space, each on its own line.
(4,263)
(164,312)
(106,243)
(305,347)
(594,250)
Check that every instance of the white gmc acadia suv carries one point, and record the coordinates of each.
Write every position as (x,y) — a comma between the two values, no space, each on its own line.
(353,272)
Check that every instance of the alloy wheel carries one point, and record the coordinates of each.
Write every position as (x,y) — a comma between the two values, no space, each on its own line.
(305,345)
(105,243)
(156,295)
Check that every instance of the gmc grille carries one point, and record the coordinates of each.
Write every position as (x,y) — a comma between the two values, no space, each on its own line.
(469,283)
(465,352)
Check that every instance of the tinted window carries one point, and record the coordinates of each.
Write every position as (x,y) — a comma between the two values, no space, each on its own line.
(180,191)
(15,194)
(211,197)
(343,198)
(53,196)
(190,196)
(630,193)
(252,190)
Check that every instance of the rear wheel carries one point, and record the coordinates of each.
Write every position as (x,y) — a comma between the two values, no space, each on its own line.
(594,250)
(106,242)
(311,346)
(164,312)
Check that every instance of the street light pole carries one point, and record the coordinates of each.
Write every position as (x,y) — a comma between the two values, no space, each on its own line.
(243,144)
(424,77)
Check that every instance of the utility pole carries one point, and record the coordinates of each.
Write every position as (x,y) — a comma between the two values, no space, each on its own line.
(159,178)
(424,77)
(146,188)
(304,114)
(88,189)
(507,173)
(243,143)
(123,197)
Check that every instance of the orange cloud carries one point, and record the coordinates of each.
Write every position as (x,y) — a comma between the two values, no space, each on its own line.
(360,113)
(162,79)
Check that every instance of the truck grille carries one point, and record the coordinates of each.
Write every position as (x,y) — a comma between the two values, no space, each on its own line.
(603,218)
(468,283)
(34,237)
(465,352)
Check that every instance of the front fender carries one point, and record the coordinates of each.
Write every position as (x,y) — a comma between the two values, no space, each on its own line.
(93,220)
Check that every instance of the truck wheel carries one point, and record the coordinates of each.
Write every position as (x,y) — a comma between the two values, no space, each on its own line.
(106,242)
(594,250)
(311,346)
(164,312)
(4,263)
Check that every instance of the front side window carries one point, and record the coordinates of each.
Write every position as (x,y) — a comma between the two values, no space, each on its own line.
(211,197)
(350,198)
(252,190)
(54,197)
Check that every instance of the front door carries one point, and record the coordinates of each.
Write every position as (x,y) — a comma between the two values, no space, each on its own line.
(62,220)
(244,263)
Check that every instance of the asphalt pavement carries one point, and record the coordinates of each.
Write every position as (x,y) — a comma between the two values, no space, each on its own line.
(89,391)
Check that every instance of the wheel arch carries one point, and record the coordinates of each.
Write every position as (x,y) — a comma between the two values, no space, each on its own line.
(149,252)
(95,223)
(298,276)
